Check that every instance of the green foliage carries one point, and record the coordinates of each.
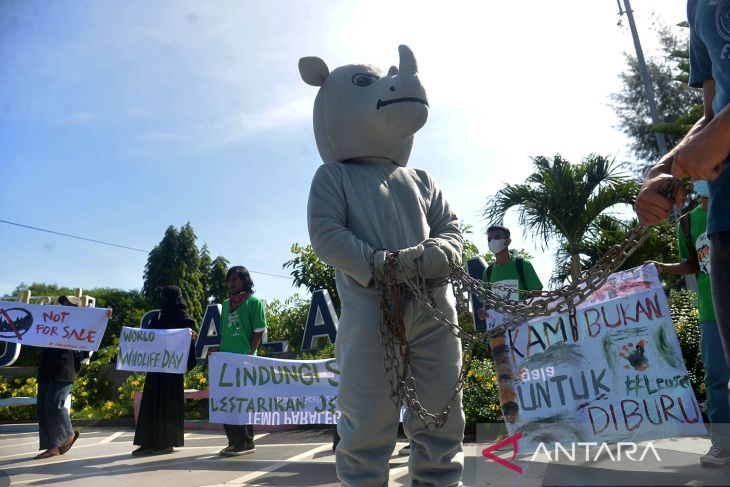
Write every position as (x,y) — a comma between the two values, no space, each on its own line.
(18,387)
(679,106)
(686,318)
(128,308)
(217,289)
(560,200)
(91,388)
(177,261)
(322,349)
(309,271)
(481,394)
(660,245)
(286,320)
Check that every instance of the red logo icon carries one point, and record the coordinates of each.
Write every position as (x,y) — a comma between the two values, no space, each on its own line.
(487,452)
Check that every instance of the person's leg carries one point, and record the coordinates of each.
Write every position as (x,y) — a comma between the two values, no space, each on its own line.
(717,375)
(368,424)
(60,433)
(240,439)
(437,457)
(719,265)
(247,436)
(42,413)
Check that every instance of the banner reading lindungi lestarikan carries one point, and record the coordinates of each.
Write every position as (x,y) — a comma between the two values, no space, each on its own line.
(616,375)
(245,389)
(52,326)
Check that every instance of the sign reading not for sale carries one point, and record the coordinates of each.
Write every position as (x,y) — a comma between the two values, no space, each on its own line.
(52,326)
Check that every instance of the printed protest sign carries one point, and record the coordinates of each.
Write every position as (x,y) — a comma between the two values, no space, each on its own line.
(616,371)
(145,350)
(52,326)
(245,389)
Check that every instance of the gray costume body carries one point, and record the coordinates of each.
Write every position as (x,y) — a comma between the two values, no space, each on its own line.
(355,208)
(362,199)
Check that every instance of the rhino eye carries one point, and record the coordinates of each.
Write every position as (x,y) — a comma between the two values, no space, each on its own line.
(362,79)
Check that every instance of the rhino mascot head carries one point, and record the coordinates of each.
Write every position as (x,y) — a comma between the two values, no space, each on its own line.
(362,112)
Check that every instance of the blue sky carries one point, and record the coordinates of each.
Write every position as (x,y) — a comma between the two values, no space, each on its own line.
(118,119)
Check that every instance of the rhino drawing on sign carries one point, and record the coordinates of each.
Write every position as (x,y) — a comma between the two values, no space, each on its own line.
(364,199)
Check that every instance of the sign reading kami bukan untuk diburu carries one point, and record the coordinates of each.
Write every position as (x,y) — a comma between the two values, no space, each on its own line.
(616,373)
(53,326)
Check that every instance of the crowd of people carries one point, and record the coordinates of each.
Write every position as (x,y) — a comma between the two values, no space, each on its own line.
(364,178)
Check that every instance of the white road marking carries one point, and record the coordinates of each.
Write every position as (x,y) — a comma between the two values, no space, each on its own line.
(111,437)
(275,466)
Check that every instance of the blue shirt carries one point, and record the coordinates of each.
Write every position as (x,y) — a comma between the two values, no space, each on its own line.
(709,56)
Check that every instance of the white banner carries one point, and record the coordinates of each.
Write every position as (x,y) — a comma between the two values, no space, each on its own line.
(245,389)
(52,326)
(616,371)
(145,350)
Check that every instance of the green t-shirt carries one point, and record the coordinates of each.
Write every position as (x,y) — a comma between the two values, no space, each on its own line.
(506,275)
(698,235)
(237,328)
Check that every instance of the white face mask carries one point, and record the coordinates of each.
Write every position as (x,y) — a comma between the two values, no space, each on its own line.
(497,245)
(702,188)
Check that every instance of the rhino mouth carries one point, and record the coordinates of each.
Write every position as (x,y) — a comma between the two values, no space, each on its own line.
(385,103)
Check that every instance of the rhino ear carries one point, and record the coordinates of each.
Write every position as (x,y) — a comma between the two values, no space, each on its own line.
(313,70)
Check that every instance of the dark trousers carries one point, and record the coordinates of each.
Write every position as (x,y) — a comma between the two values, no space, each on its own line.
(720,276)
(54,423)
(239,435)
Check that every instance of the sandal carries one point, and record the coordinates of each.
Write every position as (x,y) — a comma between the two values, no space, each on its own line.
(46,454)
(66,447)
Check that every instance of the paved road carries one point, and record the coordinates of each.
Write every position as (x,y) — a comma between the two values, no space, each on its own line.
(102,457)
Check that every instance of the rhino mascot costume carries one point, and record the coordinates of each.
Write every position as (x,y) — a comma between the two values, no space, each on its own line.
(364,199)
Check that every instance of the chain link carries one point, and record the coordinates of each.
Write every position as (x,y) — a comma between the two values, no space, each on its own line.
(538,303)
(396,350)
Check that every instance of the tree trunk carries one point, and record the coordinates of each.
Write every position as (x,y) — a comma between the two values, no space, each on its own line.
(575,268)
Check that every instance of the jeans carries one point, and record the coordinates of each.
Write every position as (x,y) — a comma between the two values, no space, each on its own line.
(54,423)
(717,375)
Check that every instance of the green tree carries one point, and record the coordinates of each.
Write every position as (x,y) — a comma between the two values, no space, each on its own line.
(176,261)
(309,271)
(286,320)
(218,291)
(128,308)
(560,200)
(679,106)
(660,245)
(206,262)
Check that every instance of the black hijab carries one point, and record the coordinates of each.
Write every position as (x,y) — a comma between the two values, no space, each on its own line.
(173,310)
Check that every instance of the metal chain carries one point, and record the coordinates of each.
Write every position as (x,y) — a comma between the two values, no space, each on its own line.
(538,303)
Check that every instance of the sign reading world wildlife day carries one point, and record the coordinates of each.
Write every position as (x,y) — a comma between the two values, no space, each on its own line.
(615,374)
(245,389)
(52,326)
(145,350)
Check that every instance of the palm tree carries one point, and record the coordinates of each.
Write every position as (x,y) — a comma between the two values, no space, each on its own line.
(563,200)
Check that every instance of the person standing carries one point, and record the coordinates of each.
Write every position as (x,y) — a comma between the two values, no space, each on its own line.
(56,373)
(162,412)
(510,273)
(243,322)
(694,247)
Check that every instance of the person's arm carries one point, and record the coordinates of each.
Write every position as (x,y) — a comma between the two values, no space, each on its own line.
(331,240)
(687,266)
(651,206)
(532,281)
(703,155)
(258,320)
(256,341)
(445,241)
(679,269)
